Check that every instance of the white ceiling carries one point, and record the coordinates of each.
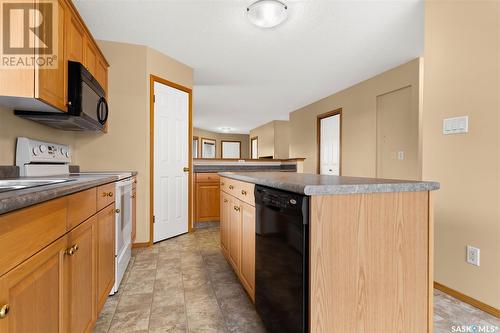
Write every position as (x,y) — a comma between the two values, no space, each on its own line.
(246,76)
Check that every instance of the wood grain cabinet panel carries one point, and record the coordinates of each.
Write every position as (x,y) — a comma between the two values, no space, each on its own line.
(81,206)
(207,197)
(80,277)
(234,233)
(90,56)
(382,284)
(52,83)
(101,74)
(34,293)
(36,226)
(105,254)
(105,195)
(247,268)
(75,37)
(224,222)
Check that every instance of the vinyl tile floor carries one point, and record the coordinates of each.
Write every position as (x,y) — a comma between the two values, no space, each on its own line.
(184,284)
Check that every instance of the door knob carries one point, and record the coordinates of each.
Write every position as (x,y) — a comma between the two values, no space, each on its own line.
(117,211)
(185,169)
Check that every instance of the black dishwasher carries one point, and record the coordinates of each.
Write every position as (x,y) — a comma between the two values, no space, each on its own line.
(281,259)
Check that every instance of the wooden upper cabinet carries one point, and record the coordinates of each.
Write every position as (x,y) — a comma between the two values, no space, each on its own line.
(90,56)
(33,292)
(75,38)
(51,83)
(80,277)
(101,74)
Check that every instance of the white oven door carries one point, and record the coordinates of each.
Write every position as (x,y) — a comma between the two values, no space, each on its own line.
(123,229)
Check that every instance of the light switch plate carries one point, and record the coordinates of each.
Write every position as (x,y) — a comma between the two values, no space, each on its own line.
(456,125)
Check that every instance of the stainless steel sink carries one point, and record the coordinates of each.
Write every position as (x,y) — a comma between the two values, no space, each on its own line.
(17,184)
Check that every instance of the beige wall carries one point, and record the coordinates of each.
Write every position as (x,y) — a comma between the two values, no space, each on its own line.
(462,77)
(359,109)
(218,137)
(126,145)
(273,139)
(11,127)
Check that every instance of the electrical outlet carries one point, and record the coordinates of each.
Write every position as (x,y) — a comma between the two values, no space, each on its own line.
(473,255)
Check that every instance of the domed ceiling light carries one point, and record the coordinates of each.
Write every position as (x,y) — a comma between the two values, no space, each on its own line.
(267,13)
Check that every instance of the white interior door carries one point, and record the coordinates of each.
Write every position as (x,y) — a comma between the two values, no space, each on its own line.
(171,152)
(330,145)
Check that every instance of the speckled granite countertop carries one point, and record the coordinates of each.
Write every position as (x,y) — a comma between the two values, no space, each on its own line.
(311,184)
(16,199)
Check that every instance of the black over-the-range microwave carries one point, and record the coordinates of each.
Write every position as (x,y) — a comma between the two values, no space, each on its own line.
(87,105)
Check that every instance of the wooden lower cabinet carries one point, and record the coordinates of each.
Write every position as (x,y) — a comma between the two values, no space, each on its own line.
(59,280)
(33,292)
(237,230)
(207,196)
(247,246)
(224,222)
(80,277)
(234,233)
(105,254)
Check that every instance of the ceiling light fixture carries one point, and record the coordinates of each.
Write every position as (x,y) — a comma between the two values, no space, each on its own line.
(267,13)
(225,129)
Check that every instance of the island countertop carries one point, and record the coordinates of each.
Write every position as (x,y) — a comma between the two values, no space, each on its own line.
(312,184)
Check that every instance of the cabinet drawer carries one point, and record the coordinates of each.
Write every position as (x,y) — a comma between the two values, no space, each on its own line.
(105,195)
(207,178)
(81,206)
(245,192)
(27,231)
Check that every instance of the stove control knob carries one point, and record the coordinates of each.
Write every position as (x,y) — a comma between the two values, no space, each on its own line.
(42,148)
(35,151)
(66,153)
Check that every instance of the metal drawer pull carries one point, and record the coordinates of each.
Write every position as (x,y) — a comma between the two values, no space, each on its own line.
(236,208)
(4,311)
(109,194)
(225,200)
(243,192)
(231,187)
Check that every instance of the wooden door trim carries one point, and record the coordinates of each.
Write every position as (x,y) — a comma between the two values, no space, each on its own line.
(189,91)
(222,142)
(251,147)
(318,137)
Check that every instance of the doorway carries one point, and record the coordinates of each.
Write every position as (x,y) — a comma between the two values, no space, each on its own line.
(329,129)
(254,142)
(171,159)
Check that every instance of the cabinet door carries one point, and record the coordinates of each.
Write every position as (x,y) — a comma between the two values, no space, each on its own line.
(224,222)
(105,254)
(102,73)
(207,202)
(33,292)
(234,233)
(90,55)
(51,84)
(75,37)
(247,270)
(80,277)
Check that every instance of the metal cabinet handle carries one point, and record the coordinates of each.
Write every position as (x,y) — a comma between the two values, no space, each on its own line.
(4,311)
(117,211)
(108,194)
(225,200)
(231,187)
(236,208)
(243,192)
(72,250)
(185,169)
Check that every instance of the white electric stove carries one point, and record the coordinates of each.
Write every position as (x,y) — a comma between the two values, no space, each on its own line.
(37,158)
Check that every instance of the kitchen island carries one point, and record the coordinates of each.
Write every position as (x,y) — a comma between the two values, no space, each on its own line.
(368,249)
